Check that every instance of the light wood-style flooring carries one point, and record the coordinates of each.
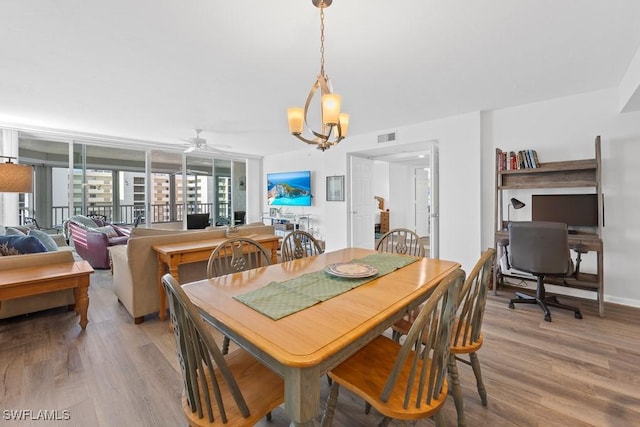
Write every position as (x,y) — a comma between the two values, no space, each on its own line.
(565,373)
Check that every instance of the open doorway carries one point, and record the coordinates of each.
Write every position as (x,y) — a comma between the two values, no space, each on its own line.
(401,191)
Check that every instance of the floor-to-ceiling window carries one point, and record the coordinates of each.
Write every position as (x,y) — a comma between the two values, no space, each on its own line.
(104,182)
(72,177)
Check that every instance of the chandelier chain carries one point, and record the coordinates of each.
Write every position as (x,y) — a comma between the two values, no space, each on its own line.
(322,41)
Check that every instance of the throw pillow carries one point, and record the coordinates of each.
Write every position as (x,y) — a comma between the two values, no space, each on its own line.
(23,244)
(11,231)
(5,250)
(83,221)
(3,229)
(108,230)
(46,240)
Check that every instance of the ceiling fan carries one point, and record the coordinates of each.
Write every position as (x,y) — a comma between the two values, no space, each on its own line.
(198,143)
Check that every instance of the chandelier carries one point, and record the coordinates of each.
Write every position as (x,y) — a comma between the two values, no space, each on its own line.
(334,124)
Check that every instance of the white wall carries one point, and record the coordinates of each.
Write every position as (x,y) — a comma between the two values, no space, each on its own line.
(565,129)
(459,140)
(401,198)
(381,180)
(9,201)
(239,173)
(256,189)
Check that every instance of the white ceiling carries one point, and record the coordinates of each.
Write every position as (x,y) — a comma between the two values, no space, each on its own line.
(155,70)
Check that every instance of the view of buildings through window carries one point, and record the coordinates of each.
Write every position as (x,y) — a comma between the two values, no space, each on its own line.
(112,182)
(99,192)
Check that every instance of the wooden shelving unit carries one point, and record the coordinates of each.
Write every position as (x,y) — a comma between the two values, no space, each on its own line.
(565,174)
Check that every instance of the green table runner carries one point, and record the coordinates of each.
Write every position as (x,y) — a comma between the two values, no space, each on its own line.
(280,299)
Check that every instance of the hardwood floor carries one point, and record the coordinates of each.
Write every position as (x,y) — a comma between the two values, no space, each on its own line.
(565,373)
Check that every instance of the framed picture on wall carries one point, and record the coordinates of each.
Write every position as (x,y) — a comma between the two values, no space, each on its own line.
(335,188)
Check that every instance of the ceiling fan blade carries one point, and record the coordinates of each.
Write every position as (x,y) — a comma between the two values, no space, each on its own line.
(190,149)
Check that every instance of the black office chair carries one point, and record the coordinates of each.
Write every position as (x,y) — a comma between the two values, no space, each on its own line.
(540,248)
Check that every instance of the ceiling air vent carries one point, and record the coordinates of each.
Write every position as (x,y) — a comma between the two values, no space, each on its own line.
(387,137)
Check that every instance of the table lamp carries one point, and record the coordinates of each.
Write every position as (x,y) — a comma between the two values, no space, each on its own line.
(517,204)
(15,178)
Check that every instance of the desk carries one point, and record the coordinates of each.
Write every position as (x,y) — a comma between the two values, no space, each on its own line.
(172,255)
(586,281)
(23,282)
(304,345)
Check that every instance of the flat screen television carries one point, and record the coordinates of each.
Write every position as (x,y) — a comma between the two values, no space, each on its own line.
(289,188)
(197,221)
(575,210)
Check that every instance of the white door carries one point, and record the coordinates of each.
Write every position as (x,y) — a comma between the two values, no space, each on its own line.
(421,176)
(361,207)
(434,226)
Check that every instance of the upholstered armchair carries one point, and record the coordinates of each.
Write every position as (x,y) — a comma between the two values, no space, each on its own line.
(91,242)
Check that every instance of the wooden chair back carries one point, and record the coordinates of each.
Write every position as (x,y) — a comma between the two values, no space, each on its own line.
(299,244)
(472,301)
(200,358)
(236,254)
(401,241)
(421,375)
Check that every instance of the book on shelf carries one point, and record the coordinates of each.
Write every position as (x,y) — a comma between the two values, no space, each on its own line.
(512,160)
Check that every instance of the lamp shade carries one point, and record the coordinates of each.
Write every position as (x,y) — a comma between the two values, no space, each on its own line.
(517,204)
(331,108)
(344,124)
(296,119)
(15,178)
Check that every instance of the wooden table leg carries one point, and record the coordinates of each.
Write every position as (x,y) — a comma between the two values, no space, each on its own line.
(274,253)
(81,294)
(302,395)
(162,313)
(173,270)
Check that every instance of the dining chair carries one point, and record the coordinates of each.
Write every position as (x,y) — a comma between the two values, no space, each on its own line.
(467,332)
(400,241)
(219,390)
(299,244)
(235,255)
(407,381)
(467,335)
(404,242)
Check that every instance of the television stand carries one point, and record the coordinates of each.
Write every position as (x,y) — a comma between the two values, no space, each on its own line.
(286,223)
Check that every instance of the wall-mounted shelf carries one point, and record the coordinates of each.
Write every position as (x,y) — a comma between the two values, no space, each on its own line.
(573,173)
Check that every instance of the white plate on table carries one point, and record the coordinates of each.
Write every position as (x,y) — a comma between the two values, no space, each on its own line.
(352,270)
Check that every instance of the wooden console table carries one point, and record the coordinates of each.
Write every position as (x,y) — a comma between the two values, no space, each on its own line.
(24,282)
(172,255)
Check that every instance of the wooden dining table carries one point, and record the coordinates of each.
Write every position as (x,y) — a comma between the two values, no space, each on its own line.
(302,346)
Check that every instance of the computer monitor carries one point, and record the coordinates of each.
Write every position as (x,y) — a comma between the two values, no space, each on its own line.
(575,210)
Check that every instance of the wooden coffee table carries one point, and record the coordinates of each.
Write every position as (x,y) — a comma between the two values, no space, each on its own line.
(24,282)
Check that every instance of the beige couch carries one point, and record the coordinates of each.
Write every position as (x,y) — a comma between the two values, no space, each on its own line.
(31,304)
(135,266)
